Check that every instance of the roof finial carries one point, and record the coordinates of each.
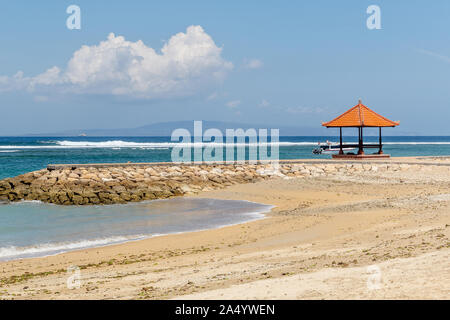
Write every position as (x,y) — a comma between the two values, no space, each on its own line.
(359,101)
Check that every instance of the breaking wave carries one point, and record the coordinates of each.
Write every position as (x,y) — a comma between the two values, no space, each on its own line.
(12,252)
(118,144)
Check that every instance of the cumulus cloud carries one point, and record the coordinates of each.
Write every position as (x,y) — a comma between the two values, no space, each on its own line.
(188,62)
(233,104)
(16,82)
(253,64)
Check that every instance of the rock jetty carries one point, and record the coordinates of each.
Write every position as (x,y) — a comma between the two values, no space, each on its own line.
(121,183)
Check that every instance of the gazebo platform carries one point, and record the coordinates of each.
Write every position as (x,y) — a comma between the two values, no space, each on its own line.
(361,156)
(360,116)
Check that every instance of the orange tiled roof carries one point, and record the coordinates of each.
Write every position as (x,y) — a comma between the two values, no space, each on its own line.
(360,116)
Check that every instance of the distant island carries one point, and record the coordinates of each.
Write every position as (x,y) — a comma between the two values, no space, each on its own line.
(164,129)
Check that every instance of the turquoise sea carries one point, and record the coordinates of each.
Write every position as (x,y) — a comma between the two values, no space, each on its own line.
(23,154)
(30,229)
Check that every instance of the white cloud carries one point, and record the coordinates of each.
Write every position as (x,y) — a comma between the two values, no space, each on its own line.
(212,96)
(264,103)
(253,64)
(233,104)
(187,63)
(16,82)
(435,55)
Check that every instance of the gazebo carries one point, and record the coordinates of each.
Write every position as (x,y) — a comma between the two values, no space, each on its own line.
(359,117)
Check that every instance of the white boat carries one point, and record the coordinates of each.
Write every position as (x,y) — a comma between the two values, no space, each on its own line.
(330,148)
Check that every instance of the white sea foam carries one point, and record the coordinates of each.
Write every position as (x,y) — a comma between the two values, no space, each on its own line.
(118,144)
(12,252)
(149,145)
(29,201)
(112,144)
(418,142)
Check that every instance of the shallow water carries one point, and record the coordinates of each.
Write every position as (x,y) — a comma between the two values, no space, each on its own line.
(33,229)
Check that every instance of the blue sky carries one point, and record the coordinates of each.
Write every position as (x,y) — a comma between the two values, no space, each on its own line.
(293,63)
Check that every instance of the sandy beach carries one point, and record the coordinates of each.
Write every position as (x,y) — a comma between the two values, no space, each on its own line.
(374,235)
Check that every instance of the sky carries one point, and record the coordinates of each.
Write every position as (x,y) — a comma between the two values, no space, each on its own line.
(279,63)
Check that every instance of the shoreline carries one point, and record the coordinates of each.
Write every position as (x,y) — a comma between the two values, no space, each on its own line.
(251,216)
(143,238)
(322,228)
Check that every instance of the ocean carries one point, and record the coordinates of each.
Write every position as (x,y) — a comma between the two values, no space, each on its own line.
(19,155)
(32,229)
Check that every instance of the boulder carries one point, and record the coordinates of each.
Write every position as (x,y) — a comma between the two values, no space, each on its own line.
(126,196)
(77,200)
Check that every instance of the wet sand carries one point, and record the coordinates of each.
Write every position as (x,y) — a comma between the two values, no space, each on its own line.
(323,240)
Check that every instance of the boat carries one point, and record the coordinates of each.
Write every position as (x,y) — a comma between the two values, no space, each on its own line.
(330,147)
